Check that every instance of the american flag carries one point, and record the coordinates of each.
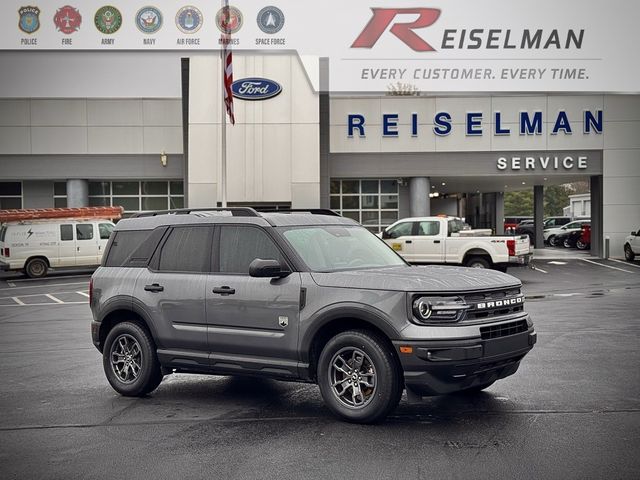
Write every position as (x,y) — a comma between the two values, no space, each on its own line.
(228,66)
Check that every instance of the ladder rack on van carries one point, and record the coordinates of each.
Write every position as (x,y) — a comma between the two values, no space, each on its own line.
(17,215)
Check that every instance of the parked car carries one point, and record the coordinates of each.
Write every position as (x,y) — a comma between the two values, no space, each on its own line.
(444,239)
(510,223)
(568,239)
(34,246)
(299,297)
(632,245)
(549,222)
(551,234)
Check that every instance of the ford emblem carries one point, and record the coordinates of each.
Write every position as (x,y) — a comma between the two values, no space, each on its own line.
(255,88)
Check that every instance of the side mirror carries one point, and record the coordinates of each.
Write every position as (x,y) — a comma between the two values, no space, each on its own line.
(267,269)
(385,235)
(635,234)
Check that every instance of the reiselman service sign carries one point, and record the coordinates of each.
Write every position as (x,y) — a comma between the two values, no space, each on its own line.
(373,46)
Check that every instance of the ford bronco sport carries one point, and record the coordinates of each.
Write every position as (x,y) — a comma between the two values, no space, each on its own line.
(310,297)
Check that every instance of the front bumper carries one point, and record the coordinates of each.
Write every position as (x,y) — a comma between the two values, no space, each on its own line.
(447,366)
(95,334)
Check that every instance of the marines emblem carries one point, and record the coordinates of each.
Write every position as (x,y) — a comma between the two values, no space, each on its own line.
(67,19)
(229,20)
(108,19)
(29,20)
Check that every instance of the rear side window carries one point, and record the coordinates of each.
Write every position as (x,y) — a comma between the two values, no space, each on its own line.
(66,232)
(239,246)
(127,242)
(84,231)
(187,249)
(429,228)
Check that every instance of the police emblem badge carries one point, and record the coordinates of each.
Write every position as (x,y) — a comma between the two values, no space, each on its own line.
(29,20)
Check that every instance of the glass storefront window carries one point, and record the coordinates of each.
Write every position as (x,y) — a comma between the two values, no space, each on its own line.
(154,188)
(176,188)
(10,195)
(176,202)
(128,203)
(372,202)
(154,203)
(99,188)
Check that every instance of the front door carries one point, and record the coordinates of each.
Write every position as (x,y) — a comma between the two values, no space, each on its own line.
(253,322)
(86,244)
(400,238)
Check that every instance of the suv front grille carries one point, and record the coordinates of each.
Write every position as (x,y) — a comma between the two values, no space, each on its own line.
(476,299)
(503,330)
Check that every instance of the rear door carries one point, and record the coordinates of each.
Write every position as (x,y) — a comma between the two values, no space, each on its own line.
(104,232)
(86,244)
(67,245)
(428,242)
(172,290)
(253,322)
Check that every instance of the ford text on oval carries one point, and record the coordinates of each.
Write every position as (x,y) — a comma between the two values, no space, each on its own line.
(255,88)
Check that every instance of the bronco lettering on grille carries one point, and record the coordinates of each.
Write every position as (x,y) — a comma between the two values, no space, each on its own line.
(507,302)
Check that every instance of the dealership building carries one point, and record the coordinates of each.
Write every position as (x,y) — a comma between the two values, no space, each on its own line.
(143,130)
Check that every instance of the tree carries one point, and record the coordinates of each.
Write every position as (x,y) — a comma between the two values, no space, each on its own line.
(556,197)
(518,203)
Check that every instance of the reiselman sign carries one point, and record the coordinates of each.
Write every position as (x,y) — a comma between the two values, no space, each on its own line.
(529,123)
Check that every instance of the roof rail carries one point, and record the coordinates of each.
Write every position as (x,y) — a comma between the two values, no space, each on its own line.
(235,212)
(312,211)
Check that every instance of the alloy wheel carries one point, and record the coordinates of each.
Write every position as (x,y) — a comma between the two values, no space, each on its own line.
(126,358)
(352,377)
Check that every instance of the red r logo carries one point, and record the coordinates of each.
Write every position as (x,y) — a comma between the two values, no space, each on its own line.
(381,19)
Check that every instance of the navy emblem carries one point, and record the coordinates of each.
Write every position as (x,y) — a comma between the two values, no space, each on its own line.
(149,19)
(29,20)
(255,88)
(229,20)
(189,19)
(270,20)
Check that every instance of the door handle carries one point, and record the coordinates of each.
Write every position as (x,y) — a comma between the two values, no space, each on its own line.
(408,241)
(436,241)
(224,290)
(154,288)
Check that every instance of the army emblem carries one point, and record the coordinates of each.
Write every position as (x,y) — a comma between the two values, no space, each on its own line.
(189,19)
(229,20)
(67,19)
(149,19)
(108,19)
(29,20)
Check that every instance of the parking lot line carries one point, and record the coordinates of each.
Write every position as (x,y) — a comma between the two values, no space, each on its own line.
(40,295)
(22,280)
(83,293)
(625,263)
(17,300)
(57,300)
(607,266)
(46,285)
(538,269)
(20,304)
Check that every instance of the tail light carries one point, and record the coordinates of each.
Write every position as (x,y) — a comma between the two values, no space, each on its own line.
(6,252)
(511,246)
(90,291)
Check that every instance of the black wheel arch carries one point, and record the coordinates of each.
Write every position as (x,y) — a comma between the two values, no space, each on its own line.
(119,312)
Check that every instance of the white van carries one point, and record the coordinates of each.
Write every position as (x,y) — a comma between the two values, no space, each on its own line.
(34,246)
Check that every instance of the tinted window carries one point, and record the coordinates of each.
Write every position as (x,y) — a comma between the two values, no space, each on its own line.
(124,244)
(66,232)
(105,230)
(429,228)
(84,231)
(400,230)
(187,249)
(239,246)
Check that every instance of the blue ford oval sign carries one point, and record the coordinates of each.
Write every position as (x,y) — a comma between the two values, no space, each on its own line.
(255,88)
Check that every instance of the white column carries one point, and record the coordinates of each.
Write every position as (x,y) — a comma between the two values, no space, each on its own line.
(419,202)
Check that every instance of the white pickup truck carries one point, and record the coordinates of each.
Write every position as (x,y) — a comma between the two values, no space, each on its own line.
(446,239)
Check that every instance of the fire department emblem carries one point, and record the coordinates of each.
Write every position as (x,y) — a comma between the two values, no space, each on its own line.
(189,19)
(67,19)
(229,20)
(149,19)
(108,19)
(29,20)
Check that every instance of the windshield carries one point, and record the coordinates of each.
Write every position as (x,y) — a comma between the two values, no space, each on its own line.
(331,248)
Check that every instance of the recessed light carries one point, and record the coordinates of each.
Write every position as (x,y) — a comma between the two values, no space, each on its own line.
(433,186)
(545,179)
(443,184)
(524,183)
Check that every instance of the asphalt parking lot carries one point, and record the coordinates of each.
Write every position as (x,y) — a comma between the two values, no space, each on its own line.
(571,411)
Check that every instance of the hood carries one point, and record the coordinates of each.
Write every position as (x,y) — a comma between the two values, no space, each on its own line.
(418,279)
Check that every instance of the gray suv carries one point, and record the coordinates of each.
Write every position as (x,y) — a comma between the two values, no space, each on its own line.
(310,297)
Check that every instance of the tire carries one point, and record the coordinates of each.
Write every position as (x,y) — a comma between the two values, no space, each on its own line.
(378,367)
(122,376)
(36,268)
(580,245)
(567,243)
(477,262)
(552,241)
(629,256)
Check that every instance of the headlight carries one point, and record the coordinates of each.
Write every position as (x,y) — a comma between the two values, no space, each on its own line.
(438,309)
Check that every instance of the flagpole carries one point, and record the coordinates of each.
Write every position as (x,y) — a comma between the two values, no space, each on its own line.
(223,131)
